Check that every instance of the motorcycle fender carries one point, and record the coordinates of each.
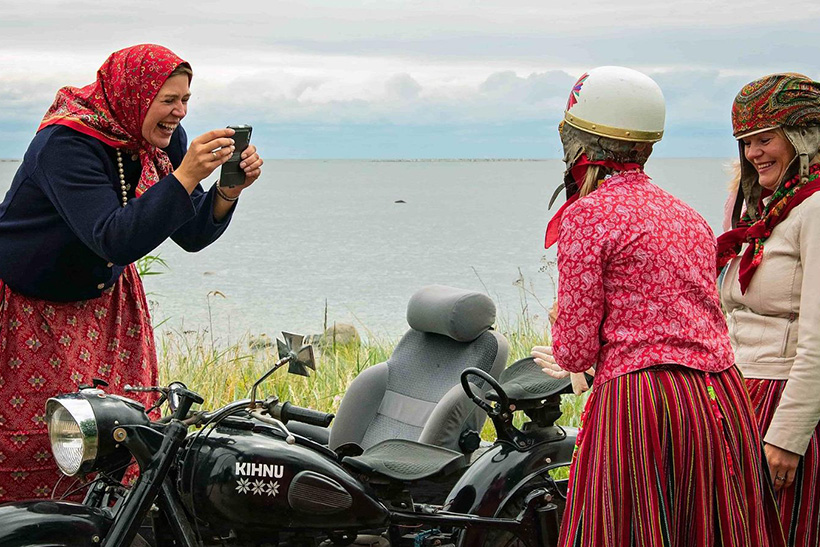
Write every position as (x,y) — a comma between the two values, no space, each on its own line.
(51,524)
(498,474)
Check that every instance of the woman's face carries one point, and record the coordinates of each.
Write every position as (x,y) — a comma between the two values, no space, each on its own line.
(169,107)
(770,153)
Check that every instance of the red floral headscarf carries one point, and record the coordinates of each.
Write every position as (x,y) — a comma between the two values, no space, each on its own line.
(113,108)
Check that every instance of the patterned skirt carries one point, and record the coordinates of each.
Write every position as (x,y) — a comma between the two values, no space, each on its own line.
(800,503)
(48,348)
(670,456)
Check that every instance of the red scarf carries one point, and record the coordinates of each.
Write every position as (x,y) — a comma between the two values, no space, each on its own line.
(578,173)
(788,195)
(113,108)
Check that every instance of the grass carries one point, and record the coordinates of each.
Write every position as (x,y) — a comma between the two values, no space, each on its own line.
(224,374)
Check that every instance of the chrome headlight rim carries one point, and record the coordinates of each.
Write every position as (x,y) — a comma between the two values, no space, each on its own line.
(80,410)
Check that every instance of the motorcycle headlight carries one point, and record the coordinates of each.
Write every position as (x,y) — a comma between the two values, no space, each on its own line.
(72,430)
(81,426)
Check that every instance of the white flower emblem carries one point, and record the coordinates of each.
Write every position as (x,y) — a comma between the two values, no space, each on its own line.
(243,485)
(273,488)
(258,487)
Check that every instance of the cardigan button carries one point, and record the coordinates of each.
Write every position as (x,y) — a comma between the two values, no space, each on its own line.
(101,286)
(110,264)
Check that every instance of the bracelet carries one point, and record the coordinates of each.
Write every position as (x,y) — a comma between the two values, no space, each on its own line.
(223,195)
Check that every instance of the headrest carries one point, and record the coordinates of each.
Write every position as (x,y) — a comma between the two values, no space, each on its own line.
(460,314)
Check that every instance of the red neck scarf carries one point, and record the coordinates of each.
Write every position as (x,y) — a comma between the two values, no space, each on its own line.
(787,196)
(578,173)
(113,108)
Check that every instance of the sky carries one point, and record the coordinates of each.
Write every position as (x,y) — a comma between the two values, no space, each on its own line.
(412,79)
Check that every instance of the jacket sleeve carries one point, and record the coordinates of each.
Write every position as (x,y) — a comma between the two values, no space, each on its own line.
(76,175)
(202,230)
(798,412)
(575,334)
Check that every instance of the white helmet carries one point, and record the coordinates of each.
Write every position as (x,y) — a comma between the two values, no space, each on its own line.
(617,102)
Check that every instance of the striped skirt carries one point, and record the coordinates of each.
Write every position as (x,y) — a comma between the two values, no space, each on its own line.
(48,348)
(800,503)
(670,456)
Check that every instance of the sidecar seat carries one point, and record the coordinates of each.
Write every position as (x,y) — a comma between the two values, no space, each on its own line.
(416,394)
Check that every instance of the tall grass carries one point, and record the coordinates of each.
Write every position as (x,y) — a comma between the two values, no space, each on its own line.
(224,374)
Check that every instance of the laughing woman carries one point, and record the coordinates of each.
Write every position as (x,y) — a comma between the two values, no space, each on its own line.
(107,178)
(771,290)
(668,450)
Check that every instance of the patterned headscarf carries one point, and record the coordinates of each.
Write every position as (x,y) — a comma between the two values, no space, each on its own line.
(776,100)
(113,108)
(790,101)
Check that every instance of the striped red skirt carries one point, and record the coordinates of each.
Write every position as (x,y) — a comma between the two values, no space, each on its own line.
(799,503)
(670,456)
(48,348)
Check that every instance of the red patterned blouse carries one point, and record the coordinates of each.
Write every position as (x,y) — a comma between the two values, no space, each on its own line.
(637,283)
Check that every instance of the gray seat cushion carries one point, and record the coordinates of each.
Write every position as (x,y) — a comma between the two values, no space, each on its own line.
(396,399)
(406,461)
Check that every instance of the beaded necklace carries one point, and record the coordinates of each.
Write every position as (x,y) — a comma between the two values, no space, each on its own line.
(773,212)
(785,198)
(123,186)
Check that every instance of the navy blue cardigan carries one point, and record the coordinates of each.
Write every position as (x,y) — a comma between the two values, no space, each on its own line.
(64,235)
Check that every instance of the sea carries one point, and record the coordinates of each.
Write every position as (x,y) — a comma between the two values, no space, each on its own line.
(318,242)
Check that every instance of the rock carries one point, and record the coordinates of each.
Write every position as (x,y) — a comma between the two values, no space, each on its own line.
(339,334)
(260,342)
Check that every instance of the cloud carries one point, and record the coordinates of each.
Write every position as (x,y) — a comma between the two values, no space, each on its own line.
(463,69)
(402,87)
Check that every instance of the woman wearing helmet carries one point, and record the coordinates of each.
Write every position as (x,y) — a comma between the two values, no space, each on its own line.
(668,450)
(773,306)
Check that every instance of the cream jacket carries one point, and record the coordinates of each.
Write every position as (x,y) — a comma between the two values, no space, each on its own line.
(775,326)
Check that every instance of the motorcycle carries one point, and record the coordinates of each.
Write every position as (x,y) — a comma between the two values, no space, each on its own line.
(242,478)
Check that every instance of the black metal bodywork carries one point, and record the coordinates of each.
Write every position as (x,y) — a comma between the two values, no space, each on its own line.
(248,480)
(52,524)
(500,473)
(498,482)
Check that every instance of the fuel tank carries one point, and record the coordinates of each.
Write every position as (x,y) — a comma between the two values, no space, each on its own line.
(247,479)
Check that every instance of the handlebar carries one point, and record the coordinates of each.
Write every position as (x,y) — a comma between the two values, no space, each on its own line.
(503,400)
(288,412)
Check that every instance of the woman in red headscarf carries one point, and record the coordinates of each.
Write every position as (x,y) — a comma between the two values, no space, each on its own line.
(773,306)
(108,177)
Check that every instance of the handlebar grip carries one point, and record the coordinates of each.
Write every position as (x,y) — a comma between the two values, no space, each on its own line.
(295,413)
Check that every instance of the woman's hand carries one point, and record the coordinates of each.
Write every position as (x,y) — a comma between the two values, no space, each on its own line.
(543,357)
(782,466)
(205,153)
(251,163)
(579,381)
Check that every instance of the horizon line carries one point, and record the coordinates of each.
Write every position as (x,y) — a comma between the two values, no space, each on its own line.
(400,160)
